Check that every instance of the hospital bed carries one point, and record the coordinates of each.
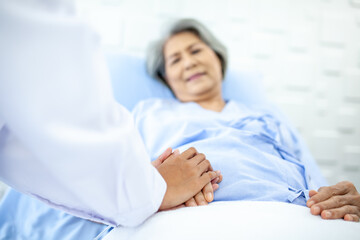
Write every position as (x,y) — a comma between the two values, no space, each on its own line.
(219,220)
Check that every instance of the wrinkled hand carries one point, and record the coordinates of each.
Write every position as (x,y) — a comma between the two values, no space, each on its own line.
(338,201)
(206,195)
(185,175)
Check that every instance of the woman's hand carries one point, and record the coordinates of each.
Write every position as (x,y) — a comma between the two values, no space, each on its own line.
(201,198)
(206,195)
(338,201)
(185,174)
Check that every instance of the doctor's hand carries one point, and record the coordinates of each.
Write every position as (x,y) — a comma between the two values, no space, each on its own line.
(185,175)
(338,201)
(206,195)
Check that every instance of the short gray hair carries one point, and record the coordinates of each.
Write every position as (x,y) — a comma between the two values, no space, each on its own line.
(155,55)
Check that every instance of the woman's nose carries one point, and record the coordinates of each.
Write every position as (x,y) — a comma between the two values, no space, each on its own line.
(189,62)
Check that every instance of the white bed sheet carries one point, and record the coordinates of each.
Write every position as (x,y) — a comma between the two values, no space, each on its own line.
(239,220)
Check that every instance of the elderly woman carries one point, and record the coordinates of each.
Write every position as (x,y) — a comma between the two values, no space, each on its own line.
(259,156)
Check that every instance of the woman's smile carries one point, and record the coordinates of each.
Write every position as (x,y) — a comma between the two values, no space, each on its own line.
(195,76)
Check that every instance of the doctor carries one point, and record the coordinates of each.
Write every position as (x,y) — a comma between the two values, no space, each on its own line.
(63,138)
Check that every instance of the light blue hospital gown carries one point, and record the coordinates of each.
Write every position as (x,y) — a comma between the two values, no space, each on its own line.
(259,156)
(260,159)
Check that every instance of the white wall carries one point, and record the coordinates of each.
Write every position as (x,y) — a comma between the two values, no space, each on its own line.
(308,51)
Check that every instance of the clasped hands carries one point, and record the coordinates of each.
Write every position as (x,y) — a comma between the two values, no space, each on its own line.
(190,178)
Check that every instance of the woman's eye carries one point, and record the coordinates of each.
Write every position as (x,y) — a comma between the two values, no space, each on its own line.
(176,60)
(195,51)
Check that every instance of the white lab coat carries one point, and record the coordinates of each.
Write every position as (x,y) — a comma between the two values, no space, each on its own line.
(63,138)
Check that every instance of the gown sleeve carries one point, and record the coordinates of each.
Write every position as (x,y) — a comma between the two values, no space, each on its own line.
(63,138)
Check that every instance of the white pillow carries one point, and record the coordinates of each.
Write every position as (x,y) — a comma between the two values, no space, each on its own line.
(239,220)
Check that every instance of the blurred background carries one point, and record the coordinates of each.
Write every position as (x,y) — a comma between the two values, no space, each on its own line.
(308,52)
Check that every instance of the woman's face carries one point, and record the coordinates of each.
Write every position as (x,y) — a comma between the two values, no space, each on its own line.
(193,70)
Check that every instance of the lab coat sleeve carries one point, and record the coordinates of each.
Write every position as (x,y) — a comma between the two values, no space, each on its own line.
(63,138)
